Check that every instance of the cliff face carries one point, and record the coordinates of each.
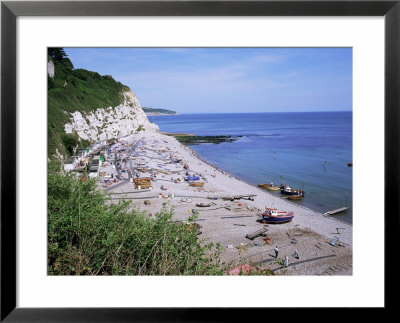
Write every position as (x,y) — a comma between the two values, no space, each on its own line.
(85,107)
(112,122)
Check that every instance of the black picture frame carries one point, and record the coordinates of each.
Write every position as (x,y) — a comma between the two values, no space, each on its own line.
(10,10)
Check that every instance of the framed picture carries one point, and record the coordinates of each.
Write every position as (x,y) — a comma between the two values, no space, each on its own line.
(368,36)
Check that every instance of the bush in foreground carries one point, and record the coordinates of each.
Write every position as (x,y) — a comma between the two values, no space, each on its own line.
(89,235)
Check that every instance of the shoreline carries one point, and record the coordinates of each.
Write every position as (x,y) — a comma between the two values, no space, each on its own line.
(263,191)
(152,114)
(228,222)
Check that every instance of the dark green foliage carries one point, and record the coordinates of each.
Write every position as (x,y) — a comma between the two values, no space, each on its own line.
(56,54)
(89,235)
(75,90)
(70,142)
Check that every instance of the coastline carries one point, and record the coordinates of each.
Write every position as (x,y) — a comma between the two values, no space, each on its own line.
(261,190)
(228,222)
(160,114)
(272,147)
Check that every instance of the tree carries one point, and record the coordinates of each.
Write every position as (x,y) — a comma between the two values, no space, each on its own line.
(57,54)
(70,142)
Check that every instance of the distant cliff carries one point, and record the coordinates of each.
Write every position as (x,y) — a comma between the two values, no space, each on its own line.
(153,112)
(85,107)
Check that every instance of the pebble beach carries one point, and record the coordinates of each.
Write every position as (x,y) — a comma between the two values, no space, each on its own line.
(323,243)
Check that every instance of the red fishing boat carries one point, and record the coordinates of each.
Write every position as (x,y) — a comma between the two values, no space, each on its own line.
(273,216)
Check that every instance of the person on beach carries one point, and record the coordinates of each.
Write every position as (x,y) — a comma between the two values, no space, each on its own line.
(286,261)
(276,252)
(296,255)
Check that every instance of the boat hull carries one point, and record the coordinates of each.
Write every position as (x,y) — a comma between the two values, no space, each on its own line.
(301,193)
(192,178)
(198,184)
(269,187)
(278,218)
(295,197)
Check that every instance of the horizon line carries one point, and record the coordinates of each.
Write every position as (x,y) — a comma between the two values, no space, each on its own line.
(177,112)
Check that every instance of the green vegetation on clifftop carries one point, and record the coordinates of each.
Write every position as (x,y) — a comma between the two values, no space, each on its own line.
(75,90)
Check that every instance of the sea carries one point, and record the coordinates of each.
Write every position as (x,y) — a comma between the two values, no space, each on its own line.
(305,150)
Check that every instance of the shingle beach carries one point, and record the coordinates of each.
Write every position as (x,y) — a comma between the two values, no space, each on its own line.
(228,218)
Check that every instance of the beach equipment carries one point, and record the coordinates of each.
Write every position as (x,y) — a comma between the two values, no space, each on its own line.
(185,199)
(334,241)
(342,209)
(255,234)
(142,183)
(273,216)
(143,170)
(213,197)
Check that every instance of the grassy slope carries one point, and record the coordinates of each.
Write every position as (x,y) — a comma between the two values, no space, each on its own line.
(76,90)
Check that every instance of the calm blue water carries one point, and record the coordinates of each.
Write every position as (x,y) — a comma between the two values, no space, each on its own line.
(280,147)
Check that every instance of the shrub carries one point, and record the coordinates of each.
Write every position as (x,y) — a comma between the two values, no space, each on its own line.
(89,235)
(69,142)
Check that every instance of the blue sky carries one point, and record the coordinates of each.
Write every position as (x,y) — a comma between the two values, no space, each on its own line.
(218,80)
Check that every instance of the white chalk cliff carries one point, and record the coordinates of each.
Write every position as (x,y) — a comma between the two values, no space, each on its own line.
(112,122)
(50,69)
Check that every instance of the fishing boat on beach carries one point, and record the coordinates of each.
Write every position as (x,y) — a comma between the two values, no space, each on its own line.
(192,178)
(287,190)
(269,187)
(197,184)
(273,216)
(201,204)
(295,197)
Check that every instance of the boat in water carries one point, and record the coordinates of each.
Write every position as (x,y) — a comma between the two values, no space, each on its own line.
(287,190)
(273,216)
